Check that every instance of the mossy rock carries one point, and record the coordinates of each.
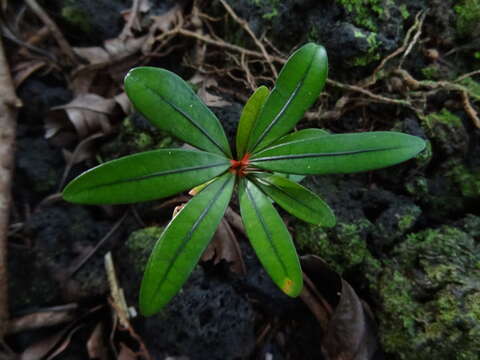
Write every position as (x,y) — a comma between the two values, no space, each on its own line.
(139,246)
(448,135)
(468,17)
(136,135)
(429,295)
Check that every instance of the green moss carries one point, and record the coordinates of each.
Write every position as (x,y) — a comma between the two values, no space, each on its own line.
(468,16)
(372,54)
(430,297)
(467,180)
(140,244)
(406,222)
(431,72)
(473,87)
(343,250)
(364,12)
(404,11)
(445,117)
(76,17)
(269,8)
(133,140)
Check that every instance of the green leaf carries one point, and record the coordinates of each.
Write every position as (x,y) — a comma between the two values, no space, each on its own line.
(270,239)
(248,118)
(182,243)
(145,176)
(171,105)
(298,86)
(300,135)
(297,200)
(340,153)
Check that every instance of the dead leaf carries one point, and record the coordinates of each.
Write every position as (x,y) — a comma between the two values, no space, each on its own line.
(208,98)
(86,114)
(224,246)
(24,70)
(95,345)
(51,346)
(351,331)
(43,318)
(167,20)
(126,353)
(124,102)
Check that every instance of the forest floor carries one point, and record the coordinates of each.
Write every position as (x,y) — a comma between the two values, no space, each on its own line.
(397,278)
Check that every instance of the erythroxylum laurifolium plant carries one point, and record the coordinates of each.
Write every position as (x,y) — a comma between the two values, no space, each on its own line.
(263,149)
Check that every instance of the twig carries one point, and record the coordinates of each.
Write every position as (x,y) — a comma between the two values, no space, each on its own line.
(132,20)
(57,34)
(471,112)
(99,244)
(371,95)
(224,44)
(418,22)
(249,31)
(8,113)
(467,75)
(406,43)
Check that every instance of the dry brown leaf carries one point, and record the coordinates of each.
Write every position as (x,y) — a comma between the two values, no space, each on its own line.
(48,348)
(207,97)
(94,54)
(351,331)
(87,113)
(95,345)
(167,20)
(224,246)
(113,49)
(24,70)
(126,353)
(43,318)
(124,102)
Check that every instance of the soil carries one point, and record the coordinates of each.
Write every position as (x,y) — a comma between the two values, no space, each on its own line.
(407,238)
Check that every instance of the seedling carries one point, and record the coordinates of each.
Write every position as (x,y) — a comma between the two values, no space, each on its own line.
(263,150)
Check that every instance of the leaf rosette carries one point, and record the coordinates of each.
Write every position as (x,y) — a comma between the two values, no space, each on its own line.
(261,168)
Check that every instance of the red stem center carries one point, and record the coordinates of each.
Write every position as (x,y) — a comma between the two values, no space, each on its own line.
(240,167)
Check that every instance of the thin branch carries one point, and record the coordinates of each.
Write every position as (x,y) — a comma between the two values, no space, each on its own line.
(224,44)
(9,103)
(57,34)
(249,31)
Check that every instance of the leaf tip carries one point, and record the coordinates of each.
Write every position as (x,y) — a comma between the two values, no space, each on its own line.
(292,288)
(287,285)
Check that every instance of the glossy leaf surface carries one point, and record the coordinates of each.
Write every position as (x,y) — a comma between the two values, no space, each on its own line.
(297,200)
(145,176)
(340,153)
(300,135)
(248,118)
(299,83)
(270,239)
(182,243)
(171,105)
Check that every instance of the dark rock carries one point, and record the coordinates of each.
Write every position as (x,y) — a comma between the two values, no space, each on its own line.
(39,165)
(61,236)
(39,95)
(207,320)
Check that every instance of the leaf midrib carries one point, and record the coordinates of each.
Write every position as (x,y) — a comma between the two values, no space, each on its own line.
(157,174)
(190,233)
(189,119)
(318,155)
(284,107)
(280,189)
(265,228)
